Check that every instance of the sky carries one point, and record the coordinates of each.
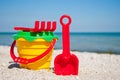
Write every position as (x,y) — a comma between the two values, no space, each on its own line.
(87,15)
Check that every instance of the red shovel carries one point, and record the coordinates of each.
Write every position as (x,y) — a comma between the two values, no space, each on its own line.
(66,63)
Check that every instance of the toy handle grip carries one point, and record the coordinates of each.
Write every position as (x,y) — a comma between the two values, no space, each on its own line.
(66,33)
(67,17)
(26,61)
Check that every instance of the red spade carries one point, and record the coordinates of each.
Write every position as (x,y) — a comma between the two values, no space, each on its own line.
(66,63)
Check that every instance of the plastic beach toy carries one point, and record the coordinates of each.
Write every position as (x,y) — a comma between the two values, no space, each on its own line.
(38,28)
(66,63)
(34,45)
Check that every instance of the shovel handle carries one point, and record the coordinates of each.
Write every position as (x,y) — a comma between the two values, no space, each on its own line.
(66,33)
(63,23)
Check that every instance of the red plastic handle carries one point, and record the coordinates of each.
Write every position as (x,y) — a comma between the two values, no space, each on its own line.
(67,17)
(35,29)
(66,34)
(26,61)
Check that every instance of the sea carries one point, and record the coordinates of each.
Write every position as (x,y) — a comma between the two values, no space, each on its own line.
(100,42)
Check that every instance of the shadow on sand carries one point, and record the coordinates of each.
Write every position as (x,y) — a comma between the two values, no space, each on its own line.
(14,65)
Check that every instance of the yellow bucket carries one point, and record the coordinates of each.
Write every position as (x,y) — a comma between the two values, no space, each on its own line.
(33,49)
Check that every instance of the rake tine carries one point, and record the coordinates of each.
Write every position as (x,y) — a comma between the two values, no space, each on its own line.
(42,26)
(36,27)
(53,26)
(48,26)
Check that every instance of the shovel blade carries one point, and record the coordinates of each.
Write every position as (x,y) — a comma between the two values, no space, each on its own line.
(64,66)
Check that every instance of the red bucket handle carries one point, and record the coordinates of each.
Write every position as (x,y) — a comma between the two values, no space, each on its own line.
(26,61)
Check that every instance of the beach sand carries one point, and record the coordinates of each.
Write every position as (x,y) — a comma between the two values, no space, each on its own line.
(92,66)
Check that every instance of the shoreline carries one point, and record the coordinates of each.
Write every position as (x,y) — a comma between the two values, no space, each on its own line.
(92,66)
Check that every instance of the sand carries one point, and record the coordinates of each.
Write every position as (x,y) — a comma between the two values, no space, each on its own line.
(93,66)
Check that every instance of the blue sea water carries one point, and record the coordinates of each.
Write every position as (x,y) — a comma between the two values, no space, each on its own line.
(88,42)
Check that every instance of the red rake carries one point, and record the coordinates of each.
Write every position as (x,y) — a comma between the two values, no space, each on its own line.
(51,26)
